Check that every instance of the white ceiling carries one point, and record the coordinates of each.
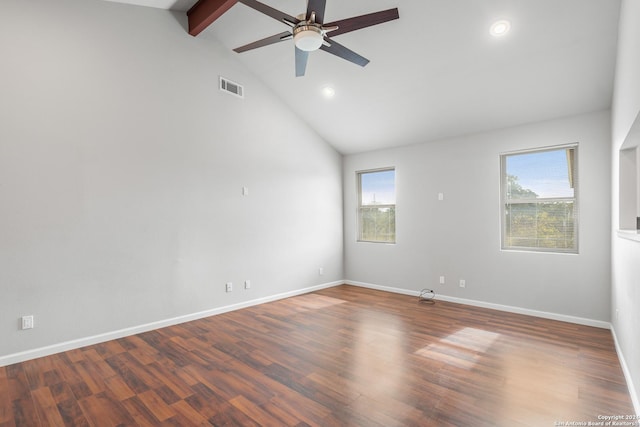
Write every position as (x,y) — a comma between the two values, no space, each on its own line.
(436,72)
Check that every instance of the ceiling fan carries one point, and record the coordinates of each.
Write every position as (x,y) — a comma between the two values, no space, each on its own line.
(309,32)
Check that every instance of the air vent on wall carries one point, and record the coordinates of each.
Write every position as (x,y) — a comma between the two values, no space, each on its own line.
(233,88)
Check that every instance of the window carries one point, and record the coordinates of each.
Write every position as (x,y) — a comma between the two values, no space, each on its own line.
(377,206)
(539,200)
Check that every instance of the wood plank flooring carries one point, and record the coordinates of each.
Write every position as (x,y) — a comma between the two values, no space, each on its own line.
(343,356)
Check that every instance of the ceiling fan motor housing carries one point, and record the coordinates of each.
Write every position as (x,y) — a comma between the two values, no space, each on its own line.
(308,37)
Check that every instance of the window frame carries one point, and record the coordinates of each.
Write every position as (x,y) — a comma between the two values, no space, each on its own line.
(360,206)
(575,200)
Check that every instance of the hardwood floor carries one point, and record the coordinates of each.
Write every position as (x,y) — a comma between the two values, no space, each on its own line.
(341,356)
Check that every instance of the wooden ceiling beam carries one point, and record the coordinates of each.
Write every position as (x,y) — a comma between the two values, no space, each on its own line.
(204,12)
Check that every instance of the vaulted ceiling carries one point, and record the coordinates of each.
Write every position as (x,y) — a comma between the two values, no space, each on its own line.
(436,72)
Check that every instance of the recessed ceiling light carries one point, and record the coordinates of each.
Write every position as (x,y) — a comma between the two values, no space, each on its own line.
(500,28)
(328,91)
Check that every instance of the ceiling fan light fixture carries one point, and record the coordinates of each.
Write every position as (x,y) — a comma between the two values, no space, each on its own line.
(308,37)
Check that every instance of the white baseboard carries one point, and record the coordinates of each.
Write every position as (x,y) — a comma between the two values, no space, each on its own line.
(627,374)
(95,339)
(500,307)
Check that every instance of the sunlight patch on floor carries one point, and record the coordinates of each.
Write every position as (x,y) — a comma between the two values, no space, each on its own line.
(462,349)
(315,302)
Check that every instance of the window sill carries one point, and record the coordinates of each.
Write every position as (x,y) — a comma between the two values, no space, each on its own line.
(630,234)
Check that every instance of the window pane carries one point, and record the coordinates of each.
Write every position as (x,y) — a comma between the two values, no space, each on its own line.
(376,206)
(542,174)
(549,225)
(378,188)
(540,207)
(377,224)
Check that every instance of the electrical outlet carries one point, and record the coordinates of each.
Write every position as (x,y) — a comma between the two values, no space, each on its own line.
(229,286)
(617,314)
(247,284)
(321,271)
(442,280)
(27,322)
(463,283)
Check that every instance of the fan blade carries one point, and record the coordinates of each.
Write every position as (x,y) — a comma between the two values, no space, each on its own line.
(338,50)
(363,21)
(301,62)
(269,11)
(264,42)
(318,7)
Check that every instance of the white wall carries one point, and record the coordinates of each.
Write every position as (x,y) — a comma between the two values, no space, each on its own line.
(459,237)
(626,253)
(121,168)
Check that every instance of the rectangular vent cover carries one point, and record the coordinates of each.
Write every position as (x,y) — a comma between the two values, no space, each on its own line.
(233,88)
